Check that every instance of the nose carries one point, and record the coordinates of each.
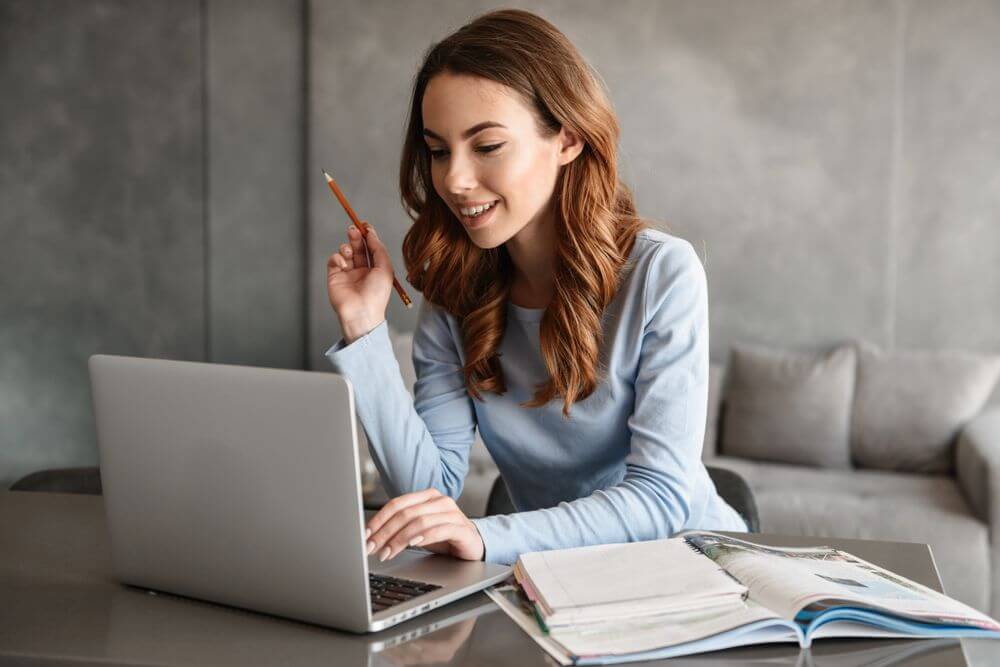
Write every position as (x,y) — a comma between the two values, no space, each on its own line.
(460,175)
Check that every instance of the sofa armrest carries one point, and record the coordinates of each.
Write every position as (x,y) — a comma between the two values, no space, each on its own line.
(978,470)
(978,467)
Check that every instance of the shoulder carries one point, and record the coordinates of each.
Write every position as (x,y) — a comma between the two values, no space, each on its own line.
(664,265)
(659,248)
(437,331)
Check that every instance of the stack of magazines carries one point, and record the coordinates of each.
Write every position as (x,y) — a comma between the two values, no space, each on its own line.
(704,592)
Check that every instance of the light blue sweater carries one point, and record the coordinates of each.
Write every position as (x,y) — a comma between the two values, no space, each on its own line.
(627,464)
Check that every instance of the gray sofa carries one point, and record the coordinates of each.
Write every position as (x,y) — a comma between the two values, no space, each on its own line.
(922,451)
(948,498)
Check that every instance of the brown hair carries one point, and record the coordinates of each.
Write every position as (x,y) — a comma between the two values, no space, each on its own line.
(596,221)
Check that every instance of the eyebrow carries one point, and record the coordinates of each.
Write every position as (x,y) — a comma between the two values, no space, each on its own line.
(468,133)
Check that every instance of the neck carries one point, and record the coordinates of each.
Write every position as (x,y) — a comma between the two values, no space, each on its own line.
(533,253)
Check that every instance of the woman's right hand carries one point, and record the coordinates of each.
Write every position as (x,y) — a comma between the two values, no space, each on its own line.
(358,294)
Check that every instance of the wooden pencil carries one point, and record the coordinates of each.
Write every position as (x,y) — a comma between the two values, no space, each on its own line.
(364,232)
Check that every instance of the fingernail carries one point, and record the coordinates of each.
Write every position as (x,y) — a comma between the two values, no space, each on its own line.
(371,547)
(385,554)
(416,540)
(368,533)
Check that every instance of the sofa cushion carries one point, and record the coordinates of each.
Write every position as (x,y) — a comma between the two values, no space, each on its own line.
(789,406)
(869,504)
(909,406)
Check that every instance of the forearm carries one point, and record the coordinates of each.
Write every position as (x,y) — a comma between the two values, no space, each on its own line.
(407,456)
(643,506)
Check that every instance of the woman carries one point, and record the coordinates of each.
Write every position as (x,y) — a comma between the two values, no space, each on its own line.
(572,335)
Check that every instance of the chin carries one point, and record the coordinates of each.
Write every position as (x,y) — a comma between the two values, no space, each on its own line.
(485,241)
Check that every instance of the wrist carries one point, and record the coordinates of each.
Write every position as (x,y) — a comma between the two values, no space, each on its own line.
(482,542)
(355,330)
(357,327)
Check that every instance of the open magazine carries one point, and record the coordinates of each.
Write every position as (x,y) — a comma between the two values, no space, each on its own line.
(705,592)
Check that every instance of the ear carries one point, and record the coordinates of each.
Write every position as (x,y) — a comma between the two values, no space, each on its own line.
(570,145)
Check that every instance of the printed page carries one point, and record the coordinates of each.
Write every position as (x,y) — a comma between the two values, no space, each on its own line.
(665,630)
(810,580)
(622,580)
(611,643)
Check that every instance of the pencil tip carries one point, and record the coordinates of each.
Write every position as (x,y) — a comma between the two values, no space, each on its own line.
(326,174)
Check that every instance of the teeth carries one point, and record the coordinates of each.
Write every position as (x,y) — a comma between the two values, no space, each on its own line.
(476,210)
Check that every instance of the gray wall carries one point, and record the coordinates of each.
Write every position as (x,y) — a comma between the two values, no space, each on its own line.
(837,165)
(150,200)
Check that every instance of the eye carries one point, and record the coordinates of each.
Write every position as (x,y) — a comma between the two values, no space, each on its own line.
(440,153)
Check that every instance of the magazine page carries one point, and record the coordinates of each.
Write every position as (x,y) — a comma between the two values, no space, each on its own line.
(801,583)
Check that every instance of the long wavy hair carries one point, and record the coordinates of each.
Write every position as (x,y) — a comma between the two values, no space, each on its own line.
(596,221)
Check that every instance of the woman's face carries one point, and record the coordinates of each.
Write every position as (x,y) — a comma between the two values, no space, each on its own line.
(485,149)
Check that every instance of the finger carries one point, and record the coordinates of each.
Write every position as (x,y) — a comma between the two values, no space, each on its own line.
(391,508)
(425,529)
(398,503)
(380,538)
(358,247)
(348,254)
(332,266)
(380,256)
(439,532)
(339,276)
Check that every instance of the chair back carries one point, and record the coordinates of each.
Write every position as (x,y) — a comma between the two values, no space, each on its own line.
(730,485)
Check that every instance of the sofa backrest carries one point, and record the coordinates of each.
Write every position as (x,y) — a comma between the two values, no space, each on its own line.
(906,411)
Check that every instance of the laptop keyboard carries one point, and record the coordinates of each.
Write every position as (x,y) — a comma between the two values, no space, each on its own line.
(387,591)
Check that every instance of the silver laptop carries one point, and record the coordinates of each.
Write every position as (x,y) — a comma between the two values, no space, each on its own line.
(241,485)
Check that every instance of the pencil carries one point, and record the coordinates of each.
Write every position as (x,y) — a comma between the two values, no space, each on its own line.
(364,232)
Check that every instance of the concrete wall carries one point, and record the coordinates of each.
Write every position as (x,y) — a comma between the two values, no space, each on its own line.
(150,200)
(837,165)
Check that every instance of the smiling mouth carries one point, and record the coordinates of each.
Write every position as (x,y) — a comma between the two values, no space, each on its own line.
(492,205)
(473,221)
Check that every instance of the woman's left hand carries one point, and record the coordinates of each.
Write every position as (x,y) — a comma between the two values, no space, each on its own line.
(428,519)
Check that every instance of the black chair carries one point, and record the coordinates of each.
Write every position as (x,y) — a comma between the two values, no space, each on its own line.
(733,489)
(62,480)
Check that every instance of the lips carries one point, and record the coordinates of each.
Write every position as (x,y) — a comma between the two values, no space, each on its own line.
(468,205)
(481,219)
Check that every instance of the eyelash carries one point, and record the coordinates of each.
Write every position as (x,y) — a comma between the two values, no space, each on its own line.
(436,155)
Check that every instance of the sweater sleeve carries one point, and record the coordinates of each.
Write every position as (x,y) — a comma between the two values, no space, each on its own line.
(653,499)
(416,442)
